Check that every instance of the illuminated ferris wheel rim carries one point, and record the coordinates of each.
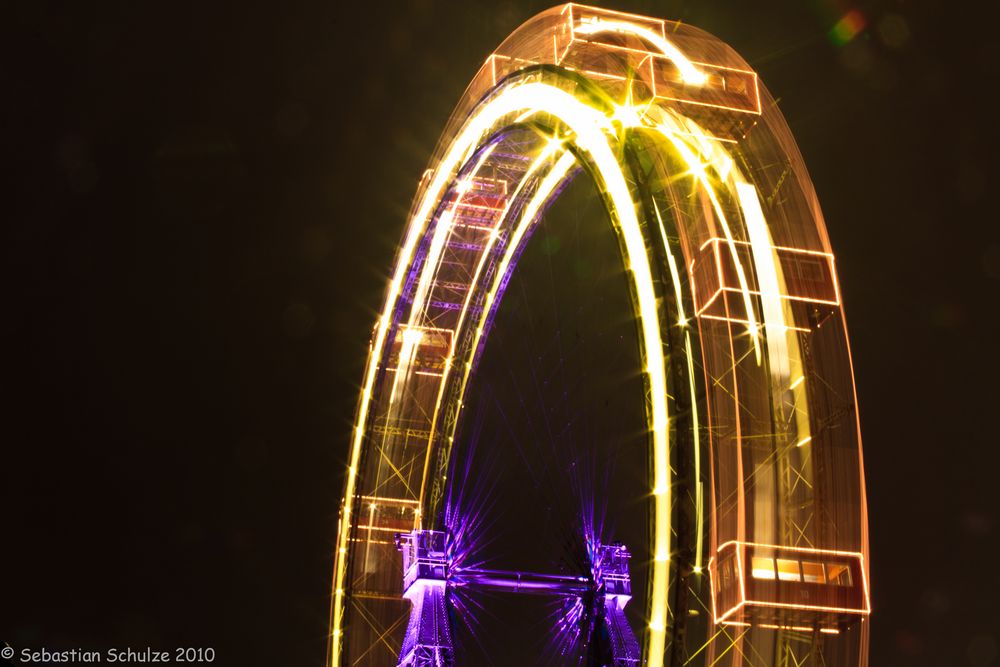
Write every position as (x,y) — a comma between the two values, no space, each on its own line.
(521,98)
(579,124)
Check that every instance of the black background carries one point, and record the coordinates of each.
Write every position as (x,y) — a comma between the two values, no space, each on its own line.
(205,200)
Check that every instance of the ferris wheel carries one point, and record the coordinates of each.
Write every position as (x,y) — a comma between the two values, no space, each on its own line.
(747,477)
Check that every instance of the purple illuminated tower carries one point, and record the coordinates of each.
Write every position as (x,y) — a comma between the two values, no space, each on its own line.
(428,640)
(617,591)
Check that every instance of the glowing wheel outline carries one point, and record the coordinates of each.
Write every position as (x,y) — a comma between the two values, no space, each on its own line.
(583,117)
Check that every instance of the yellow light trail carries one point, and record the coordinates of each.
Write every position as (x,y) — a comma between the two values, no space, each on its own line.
(767,279)
(588,127)
(695,426)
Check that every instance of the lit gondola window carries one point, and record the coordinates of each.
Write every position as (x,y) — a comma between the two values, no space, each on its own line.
(839,574)
(812,573)
(762,568)
(788,570)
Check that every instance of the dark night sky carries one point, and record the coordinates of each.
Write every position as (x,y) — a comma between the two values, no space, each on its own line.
(206,199)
